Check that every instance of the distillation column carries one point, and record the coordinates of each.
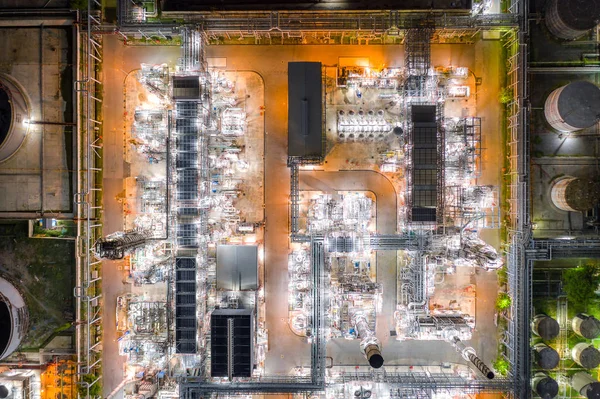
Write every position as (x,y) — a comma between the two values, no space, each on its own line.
(117,245)
(370,345)
(468,353)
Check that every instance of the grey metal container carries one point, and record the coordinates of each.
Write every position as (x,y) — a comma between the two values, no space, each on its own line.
(586,385)
(545,326)
(586,355)
(544,386)
(569,19)
(586,326)
(573,107)
(546,357)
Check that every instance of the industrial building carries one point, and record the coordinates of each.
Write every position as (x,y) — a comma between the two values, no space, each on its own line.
(314,199)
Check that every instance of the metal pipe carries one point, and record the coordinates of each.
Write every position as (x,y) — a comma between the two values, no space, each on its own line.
(468,353)
(370,345)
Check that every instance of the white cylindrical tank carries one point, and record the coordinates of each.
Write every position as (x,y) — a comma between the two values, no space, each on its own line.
(13,318)
(586,355)
(586,385)
(586,326)
(573,107)
(544,386)
(559,191)
(545,326)
(569,19)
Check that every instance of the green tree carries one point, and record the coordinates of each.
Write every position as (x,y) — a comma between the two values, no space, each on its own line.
(580,285)
(503,301)
(501,366)
(95,390)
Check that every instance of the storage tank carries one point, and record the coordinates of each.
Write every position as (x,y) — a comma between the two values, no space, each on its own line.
(13,318)
(586,385)
(544,386)
(569,19)
(545,326)
(573,194)
(586,355)
(4,392)
(586,326)
(546,357)
(573,107)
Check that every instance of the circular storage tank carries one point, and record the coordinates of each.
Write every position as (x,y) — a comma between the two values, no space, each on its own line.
(558,194)
(13,318)
(544,386)
(586,385)
(573,107)
(572,194)
(586,326)
(545,326)
(586,355)
(4,392)
(14,117)
(569,19)
(546,357)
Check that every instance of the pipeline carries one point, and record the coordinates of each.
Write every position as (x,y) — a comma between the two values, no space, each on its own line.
(468,353)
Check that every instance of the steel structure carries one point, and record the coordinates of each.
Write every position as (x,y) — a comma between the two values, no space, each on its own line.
(118,245)
(88,199)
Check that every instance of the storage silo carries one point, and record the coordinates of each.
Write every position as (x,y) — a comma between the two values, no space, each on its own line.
(586,385)
(569,19)
(13,318)
(572,194)
(586,355)
(545,326)
(586,326)
(573,107)
(546,357)
(544,386)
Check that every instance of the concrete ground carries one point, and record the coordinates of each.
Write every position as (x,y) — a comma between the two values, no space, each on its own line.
(40,60)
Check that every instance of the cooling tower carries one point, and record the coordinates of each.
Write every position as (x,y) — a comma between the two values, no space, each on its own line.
(569,19)
(545,326)
(573,107)
(586,326)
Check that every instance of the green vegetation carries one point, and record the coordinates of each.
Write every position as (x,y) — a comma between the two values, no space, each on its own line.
(79,4)
(505,96)
(503,301)
(580,285)
(95,390)
(501,366)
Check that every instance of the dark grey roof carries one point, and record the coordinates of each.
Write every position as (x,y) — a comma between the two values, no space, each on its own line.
(305,109)
(235,355)
(579,14)
(579,104)
(237,267)
(589,358)
(548,328)
(185,305)
(424,159)
(547,358)
(592,391)
(186,87)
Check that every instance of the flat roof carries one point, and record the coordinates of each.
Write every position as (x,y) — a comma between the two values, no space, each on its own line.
(186,87)
(424,159)
(237,267)
(231,343)
(305,109)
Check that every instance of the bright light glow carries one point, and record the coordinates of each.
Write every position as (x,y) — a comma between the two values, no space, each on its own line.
(26,121)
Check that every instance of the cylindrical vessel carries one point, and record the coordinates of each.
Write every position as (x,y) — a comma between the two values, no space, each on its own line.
(544,386)
(4,392)
(586,326)
(369,345)
(569,19)
(546,357)
(558,193)
(586,355)
(545,326)
(573,107)
(586,385)
(13,318)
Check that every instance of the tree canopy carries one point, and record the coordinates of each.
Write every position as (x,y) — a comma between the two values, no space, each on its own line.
(580,285)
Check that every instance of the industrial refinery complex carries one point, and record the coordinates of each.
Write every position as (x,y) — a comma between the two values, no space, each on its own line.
(305,199)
